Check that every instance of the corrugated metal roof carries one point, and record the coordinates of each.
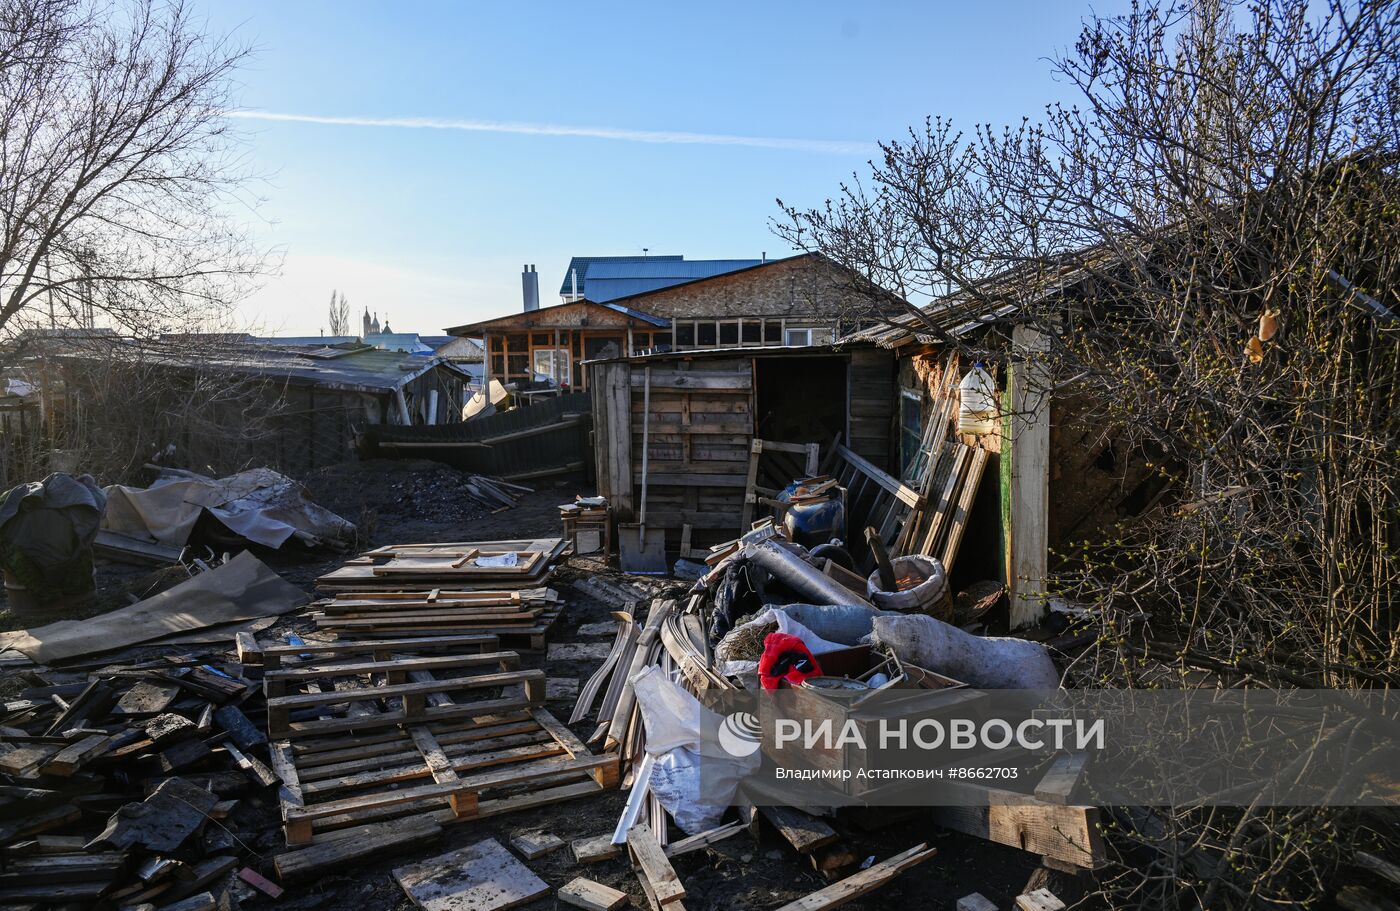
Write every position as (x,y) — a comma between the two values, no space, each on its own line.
(611,281)
(584,263)
(364,370)
(307,341)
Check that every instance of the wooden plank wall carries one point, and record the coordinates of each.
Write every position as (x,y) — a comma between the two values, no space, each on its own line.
(871,399)
(701,426)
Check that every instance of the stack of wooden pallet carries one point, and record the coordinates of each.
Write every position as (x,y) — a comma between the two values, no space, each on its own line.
(370,731)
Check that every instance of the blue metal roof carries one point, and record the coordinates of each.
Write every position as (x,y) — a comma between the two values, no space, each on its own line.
(610,281)
(585,263)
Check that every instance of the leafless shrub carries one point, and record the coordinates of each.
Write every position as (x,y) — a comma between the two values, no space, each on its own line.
(1208,237)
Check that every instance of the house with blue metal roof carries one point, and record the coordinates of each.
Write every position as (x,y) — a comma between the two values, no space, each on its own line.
(623,305)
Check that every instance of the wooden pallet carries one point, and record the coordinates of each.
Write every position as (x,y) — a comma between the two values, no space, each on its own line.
(527,632)
(463,769)
(335,693)
(252,654)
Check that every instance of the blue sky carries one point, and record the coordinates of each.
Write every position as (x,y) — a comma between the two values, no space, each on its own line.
(430,227)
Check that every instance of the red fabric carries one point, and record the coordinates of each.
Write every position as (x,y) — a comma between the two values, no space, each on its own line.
(780,645)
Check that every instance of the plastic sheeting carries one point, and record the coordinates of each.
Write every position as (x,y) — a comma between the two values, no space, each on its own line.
(241,589)
(681,735)
(46,532)
(261,505)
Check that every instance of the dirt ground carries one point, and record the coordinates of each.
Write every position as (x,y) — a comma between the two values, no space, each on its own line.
(419,501)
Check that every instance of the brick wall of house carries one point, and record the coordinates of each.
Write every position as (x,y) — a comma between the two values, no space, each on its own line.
(801,288)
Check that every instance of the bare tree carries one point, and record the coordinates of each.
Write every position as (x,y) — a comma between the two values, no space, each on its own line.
(117,168)
(339,315)
(1207,237)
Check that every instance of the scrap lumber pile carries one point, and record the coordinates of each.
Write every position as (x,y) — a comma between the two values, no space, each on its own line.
(119,784)
(486,587)
(495,494)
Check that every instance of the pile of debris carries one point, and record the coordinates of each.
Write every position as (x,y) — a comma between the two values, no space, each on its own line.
(763,592)
(121,783)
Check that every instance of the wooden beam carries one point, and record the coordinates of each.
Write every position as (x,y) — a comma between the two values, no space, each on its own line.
(1029,423)
(867,880)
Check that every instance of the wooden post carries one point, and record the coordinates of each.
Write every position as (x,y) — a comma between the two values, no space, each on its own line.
(612,422)
(1029,423)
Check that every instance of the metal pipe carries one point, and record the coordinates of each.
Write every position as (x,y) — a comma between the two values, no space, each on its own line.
(799,575)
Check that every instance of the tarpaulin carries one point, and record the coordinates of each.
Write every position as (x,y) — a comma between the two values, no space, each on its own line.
(261,505)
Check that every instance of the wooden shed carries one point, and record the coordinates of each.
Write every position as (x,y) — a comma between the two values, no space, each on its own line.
(701,411)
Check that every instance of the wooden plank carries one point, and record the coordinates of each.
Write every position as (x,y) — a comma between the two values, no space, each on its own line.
(371,646)
(70,759)
(1039,900)
(312,700)
(507,661)
(1069,834)
(958,526)
(805,832)
(147,697)
(975,902)
(659,880)
(1058,782)
(867,880)
(480,877)
(1029,423)
(387,719)
(532,845)
(906,495)
(594,850)
(703,839)
(350,845)
(594,896)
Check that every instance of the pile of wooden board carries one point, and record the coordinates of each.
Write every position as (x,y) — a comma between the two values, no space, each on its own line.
(460,566)
(522,618)
(487,587)
(116,786)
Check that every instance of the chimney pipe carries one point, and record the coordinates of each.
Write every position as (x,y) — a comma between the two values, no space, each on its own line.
(530,287)
(573,278)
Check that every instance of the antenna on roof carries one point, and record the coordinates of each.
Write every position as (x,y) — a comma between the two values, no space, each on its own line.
(646,250)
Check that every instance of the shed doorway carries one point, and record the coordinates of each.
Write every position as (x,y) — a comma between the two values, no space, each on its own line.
(800,399)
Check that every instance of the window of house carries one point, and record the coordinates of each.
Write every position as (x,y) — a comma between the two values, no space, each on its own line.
(552,363)
(685,335)
(661,339)
(752,332)
(540,338)
(705,335)
(819,335)
(729,333)
(911,431)
(773,332)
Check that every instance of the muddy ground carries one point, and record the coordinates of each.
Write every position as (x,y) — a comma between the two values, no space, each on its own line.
(419,501)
